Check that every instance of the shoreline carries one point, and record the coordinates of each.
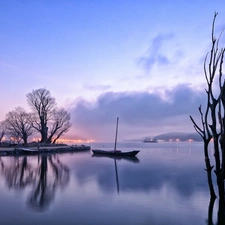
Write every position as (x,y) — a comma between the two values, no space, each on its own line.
(17,151)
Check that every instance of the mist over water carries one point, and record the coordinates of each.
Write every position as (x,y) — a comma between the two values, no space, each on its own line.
(165,184)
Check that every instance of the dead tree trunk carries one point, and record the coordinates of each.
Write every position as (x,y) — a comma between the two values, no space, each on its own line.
(213,119)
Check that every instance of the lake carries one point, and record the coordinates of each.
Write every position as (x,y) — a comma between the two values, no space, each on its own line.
(165,184)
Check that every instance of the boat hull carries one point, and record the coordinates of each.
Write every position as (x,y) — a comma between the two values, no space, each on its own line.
(28,150)
(115,153)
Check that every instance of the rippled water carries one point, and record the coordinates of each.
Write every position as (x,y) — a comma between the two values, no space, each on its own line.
(165,184)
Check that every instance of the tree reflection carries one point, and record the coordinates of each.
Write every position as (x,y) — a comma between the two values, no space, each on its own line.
(220,213)
(45,175)
(18,174)
(45,186)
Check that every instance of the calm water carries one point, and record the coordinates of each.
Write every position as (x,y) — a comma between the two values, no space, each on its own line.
(165,184)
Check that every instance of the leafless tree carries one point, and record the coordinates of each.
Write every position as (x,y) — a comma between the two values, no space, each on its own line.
(49,121)
(2,130)
(42,104)
(18,124)
(212,125)
(60,124)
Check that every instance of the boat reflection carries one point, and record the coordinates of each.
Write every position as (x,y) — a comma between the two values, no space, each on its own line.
(131,159)
(115,158)
(117,177)
(44,174)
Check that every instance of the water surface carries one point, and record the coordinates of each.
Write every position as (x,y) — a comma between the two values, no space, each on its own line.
(165,184)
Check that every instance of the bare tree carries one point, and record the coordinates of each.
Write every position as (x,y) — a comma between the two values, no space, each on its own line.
(60,124)
(19,125)
(2,130)
(213,119)
(42,104)
(47,119)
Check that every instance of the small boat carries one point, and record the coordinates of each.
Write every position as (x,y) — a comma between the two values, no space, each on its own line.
(115,152)
(28,150)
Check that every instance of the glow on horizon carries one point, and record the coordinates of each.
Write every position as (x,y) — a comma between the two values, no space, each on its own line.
(66,140)
(74,141)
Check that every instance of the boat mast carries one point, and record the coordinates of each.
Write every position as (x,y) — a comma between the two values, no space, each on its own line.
(116,133)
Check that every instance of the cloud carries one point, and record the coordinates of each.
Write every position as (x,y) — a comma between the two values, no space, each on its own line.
(139,112)
(155,54)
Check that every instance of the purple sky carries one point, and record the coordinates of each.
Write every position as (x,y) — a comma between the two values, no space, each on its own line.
(139,60)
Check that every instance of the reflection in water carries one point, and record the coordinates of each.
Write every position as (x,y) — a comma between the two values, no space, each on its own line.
(19,174)
(44,176)
(130,159)
(220,213)
(117,178)
(210,211)
(165,187)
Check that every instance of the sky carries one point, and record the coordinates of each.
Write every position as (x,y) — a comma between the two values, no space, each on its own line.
(141,61)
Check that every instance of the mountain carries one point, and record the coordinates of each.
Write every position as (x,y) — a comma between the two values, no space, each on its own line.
(178,136)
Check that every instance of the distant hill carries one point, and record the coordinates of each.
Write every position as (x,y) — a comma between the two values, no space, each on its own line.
(178,136)
(171,136)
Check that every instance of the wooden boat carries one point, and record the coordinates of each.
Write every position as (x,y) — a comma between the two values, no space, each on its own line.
(26,151)
(115,152)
